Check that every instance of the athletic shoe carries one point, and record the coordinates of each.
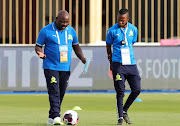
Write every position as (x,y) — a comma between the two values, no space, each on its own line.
(126,118)
(55,121)
(50,121)
(120,121)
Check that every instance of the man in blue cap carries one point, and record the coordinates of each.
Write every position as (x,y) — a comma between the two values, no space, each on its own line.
(59,39)
(122,62)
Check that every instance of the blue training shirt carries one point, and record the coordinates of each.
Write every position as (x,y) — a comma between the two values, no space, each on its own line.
(115,35)
(48,37)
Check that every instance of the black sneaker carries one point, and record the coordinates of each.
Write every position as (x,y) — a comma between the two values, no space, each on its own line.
(120,121)
(126,118)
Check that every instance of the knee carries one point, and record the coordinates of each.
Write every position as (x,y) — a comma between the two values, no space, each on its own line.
(53,92)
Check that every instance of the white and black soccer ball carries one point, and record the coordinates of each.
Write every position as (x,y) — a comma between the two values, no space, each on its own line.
(70,117)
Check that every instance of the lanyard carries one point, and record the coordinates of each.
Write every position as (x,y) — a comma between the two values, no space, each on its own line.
(59,37)
(125,38)
(63,49)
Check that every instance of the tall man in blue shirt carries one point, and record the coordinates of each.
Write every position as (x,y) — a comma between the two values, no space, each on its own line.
(59,38)
(122,62)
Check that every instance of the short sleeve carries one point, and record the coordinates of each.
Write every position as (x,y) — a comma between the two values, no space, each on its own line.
(75,39)
(109,39)
(135,36)
(41,38)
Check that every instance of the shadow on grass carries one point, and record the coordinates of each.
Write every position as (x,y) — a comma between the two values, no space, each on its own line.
(107,124)
(22,124)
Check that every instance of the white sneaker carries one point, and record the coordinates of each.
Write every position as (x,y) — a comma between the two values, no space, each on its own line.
(50,121)
(57,121)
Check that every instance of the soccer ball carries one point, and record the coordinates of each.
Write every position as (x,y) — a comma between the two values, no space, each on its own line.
(70,117)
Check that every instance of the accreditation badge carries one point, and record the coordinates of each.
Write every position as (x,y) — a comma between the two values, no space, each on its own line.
(63,53)
(125,55)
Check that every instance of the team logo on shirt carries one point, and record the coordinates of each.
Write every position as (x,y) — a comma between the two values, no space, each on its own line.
(131,33)
(53,79)
(54,35)
(118,34)
(70,37)
(118,77)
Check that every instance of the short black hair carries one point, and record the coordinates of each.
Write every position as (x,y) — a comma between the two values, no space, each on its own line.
(123,11)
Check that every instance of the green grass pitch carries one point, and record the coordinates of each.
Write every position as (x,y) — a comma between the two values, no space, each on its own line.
(161,109)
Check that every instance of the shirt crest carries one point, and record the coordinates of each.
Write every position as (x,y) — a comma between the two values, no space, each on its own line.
(131,33)
(70,37)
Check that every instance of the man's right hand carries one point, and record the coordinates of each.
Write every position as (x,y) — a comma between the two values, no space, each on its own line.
(41,55)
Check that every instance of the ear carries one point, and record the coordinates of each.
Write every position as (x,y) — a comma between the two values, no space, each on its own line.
(128,18)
